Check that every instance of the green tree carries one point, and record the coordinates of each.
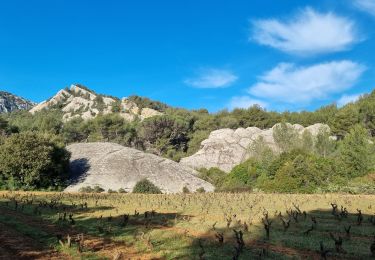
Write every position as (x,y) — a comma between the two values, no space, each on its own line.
(162,133)
(30,160)
(367,112)
(213,175)
(357,152)
(344,119)
(286,137)
(5,129)
(261,152)
(74,131)
(324,145)
(307,142)
(285,179)
(242,176)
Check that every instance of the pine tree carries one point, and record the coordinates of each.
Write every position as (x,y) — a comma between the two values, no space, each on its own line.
(356,152)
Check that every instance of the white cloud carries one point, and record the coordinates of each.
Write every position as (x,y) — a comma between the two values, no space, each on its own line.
(366,6)
(345,99)
(309,32)
(245,102)
(288,83)
(212,78)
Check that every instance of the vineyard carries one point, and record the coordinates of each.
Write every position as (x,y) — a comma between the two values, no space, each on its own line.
(36,225)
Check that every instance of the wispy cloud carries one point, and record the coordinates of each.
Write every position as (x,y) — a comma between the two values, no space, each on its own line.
(288,83)
(245,102)
(365,5)
(212,78)
(309,32)
(345,99)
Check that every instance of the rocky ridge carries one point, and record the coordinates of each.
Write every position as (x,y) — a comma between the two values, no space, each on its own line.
(77,101)
(113,166)
(10,102)
(226,148)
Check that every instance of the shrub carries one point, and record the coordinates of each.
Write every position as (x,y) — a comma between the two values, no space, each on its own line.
(214,175)
(86,189)
(111,191)
(185,190)
(146,187)
(121,190)
(201,190)
(98,189)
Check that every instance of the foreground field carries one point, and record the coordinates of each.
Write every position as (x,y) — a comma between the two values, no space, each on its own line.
(196,226)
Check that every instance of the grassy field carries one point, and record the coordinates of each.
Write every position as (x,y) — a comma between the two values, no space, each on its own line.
(192,226)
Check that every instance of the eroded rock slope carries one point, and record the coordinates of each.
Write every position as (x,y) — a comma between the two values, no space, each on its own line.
(10,102)
(226,148)
(78,101)
(113,166)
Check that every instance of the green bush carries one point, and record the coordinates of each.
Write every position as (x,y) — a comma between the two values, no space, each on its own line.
(111,191)
(30,160)
(185,190)
(98,189)
(86,189)
(201,190)
(214,175)
(121,190)
(146,187)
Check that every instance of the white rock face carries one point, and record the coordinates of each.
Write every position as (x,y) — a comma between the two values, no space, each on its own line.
(113,166)
(10,102)
(59,97)
(226,148)
(79,102)
(149,112)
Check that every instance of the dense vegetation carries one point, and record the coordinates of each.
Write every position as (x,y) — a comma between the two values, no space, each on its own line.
(146,187)
(30,160)
(307,164)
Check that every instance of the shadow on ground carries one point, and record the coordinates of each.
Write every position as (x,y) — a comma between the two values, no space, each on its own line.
(292,234)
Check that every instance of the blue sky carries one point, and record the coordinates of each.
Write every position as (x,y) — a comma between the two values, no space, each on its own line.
(283,55)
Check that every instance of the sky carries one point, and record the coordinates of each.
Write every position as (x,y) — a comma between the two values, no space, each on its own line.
(282,55)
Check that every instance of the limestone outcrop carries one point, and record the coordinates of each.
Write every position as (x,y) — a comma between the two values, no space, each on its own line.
(10,102)
(226,148)
(78,101)
(113,166)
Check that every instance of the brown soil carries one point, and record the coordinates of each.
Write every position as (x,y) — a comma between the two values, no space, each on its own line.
(18,246)
(14,245)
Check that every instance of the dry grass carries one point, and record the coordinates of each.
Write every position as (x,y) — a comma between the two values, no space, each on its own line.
(188,225)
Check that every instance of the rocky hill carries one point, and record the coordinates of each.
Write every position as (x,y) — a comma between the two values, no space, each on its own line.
(78,101)
(226,148)
(112,166)
(10,102)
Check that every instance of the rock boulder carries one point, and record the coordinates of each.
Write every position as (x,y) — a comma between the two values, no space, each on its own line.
(113,166)
(226,148)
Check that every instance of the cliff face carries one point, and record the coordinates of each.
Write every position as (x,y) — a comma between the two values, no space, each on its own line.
(10,102)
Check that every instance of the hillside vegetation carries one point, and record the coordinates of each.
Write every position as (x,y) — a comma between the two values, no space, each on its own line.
(312,164)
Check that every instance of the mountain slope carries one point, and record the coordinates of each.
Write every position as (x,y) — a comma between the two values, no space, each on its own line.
(79,101)
(10,102)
